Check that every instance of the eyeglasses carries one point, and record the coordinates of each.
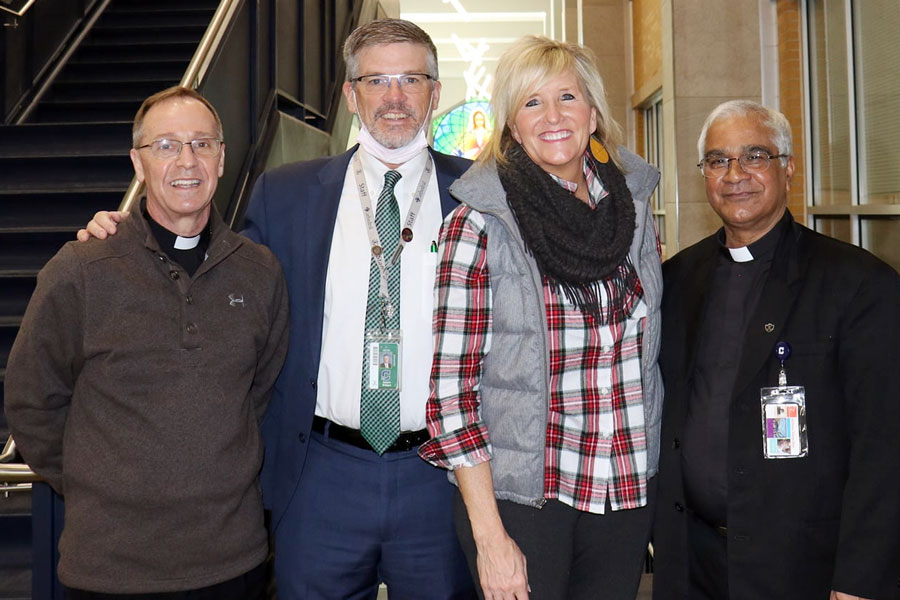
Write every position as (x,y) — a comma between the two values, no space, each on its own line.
(751,162)
(411,83)
(165,148)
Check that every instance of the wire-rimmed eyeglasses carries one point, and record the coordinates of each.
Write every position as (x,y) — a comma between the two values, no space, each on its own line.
(750,162)
(165,148)
(411,83)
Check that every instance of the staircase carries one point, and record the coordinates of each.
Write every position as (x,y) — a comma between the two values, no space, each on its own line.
(68,160)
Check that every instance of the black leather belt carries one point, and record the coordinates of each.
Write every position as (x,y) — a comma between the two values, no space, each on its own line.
(406,441)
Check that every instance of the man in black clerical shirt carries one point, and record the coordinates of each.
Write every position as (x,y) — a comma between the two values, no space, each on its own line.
(142,368)
(778,469)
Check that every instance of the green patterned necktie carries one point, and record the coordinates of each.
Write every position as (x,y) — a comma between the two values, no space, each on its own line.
(379,410)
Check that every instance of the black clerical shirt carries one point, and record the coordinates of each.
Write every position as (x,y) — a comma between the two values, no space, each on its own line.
(173,245)
(733,295)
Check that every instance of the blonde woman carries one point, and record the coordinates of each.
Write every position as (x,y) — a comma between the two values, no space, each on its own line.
(545,393)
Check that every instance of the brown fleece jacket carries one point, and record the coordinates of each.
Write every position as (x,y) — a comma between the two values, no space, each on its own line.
(135,391)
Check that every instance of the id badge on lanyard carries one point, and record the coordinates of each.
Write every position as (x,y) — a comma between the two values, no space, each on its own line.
(784,433)
(384,345)
(383,352)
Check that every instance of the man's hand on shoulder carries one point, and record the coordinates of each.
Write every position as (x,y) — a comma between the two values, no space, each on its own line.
(103,224)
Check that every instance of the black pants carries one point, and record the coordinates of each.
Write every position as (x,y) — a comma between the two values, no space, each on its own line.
(707,560)
(572,555)
(249,586)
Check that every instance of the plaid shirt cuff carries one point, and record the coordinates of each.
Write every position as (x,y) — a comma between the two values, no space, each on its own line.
(465,447)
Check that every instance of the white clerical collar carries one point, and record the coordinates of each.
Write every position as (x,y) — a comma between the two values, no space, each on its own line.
(186,243)
(741,254)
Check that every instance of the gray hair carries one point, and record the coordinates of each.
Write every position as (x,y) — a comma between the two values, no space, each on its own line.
(387,31)
(776,122)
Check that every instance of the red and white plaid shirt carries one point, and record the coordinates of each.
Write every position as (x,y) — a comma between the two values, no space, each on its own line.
(595,444)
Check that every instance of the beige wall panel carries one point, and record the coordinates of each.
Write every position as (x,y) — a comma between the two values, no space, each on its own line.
(605,34)
(647,44)
(717,51)
(710,55)
(697,222)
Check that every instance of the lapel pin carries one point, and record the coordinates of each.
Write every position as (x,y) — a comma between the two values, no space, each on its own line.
(769,327)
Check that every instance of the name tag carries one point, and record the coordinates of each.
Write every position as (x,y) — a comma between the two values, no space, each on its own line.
(784,422)
(383,363)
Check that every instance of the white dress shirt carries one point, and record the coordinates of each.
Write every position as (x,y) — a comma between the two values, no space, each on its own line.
(347,290)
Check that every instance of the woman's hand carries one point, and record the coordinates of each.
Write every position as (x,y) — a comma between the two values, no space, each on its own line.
(502,569)
(501,565)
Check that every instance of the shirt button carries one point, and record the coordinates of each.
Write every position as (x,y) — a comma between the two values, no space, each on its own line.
(676,444)
(191,328)
(606,348)
(302,437)
(679,507)
(173,274)
(604,391)
(189,299)
(312,383)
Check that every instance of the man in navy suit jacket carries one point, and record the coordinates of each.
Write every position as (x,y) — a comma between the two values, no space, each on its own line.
(345,517)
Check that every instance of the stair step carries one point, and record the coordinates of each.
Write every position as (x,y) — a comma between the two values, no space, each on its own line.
(186,17)
(44,139)
(124,71)
(16,294)
(108,90)
(64,111)
(63,210)
(25,253)
(136,52)
(110,59)
(74,173)
(168,6)
(117,35)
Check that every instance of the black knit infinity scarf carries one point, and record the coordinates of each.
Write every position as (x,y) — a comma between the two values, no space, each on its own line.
(576,247)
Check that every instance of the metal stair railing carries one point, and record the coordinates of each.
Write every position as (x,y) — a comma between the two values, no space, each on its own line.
(14,477)
(18,11)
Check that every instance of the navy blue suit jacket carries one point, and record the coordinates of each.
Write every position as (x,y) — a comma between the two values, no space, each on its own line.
(292,211)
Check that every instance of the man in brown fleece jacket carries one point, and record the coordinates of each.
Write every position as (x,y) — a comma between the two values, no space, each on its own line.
(140,373)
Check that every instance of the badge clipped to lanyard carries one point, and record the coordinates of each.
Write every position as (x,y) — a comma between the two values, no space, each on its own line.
(383,348)
(384,344)
(783,414)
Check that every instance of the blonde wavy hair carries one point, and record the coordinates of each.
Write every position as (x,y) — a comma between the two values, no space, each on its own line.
(526,66)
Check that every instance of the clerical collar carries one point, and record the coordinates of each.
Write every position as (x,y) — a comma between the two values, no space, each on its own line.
(189,252)
(761,248)
(186,243)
